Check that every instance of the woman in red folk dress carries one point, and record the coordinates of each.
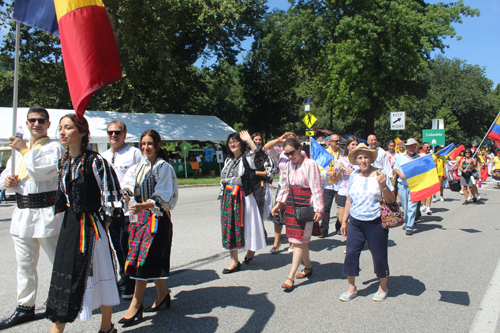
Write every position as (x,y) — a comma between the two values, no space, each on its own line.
(300,185)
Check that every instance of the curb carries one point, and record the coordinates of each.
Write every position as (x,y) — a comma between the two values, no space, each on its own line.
(198,185)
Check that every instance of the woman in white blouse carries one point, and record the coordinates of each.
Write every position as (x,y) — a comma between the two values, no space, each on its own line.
(241,224)
(361,221)
(153,185)
(300,185)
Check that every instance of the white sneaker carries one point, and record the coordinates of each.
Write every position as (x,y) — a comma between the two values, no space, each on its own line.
(441,199)
(434,199)
(428,211)
(423,209)
(461,192)
(469,198)
(380,297)
(478,197)
(346,297)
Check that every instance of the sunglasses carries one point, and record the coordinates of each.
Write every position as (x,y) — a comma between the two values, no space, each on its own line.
(290,153)
(34,120)
(114,132)
(337,141)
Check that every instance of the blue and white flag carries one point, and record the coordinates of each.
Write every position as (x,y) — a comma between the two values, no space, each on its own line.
(320,155)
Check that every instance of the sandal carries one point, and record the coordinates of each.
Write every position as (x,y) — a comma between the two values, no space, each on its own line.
(287,286)
(303,274)
(465,202)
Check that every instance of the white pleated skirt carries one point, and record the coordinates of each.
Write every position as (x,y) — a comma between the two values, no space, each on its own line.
(101,286)
(254,230)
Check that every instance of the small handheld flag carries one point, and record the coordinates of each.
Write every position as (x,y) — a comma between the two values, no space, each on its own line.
(320,155)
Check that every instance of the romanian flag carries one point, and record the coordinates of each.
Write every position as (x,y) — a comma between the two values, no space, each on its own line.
(494,133)
(446,150)
(421,176)
(320,155)
(89,49)
(454,154)
(88,45)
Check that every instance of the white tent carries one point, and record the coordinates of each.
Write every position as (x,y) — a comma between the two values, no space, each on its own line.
(172,127)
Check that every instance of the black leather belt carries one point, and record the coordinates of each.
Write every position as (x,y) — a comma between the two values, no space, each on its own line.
(36,200)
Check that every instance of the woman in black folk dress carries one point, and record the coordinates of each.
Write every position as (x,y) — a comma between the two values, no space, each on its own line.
(83,276)
(154,186)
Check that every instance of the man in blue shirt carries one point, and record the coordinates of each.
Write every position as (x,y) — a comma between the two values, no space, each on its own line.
(409,208)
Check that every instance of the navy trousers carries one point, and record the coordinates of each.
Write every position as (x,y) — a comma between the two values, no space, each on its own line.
(372,232)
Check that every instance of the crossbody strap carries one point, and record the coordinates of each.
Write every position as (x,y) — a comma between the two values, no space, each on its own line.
(290,185)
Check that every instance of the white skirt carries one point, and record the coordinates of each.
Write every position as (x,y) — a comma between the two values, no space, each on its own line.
(101,287)
(268,202)
(254,230)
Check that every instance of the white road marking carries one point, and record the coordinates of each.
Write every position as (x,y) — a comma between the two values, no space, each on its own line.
(489,310)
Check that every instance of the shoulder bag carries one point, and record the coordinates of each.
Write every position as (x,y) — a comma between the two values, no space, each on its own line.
(390,214)
(303,214)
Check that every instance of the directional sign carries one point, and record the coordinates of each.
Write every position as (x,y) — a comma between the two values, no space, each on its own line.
(309,120)
(398,121)
(309,132)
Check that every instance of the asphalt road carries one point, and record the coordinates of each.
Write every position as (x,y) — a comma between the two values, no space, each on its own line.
(441,278)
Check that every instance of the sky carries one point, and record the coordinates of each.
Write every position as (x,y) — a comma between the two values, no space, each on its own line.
(480,45)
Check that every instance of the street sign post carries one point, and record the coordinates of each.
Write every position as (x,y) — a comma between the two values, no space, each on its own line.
(398,121)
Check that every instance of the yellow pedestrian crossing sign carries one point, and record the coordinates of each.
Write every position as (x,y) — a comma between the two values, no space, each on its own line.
(309,119)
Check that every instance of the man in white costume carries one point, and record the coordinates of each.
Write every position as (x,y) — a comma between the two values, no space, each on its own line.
(34,223)
(121,156)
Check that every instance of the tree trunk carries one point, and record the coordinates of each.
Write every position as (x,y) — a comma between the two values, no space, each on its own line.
(370,117)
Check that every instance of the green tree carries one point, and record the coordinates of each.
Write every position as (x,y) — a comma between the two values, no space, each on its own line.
(380,47)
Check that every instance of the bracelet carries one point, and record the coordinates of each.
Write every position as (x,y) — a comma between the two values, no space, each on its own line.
(279,140)
(382,189)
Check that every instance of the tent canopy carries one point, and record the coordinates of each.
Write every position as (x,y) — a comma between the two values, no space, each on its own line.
(172,127)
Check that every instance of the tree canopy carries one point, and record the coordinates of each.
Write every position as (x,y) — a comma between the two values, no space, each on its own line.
(360,59)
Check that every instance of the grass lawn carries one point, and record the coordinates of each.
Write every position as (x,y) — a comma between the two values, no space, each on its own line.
(198,180)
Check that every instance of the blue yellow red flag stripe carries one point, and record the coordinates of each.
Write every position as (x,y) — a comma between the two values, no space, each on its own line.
(494,133)
(89,49)
(421,176)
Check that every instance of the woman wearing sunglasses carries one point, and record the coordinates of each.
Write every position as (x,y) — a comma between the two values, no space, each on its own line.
(300,185)
(278,154)
(241,223)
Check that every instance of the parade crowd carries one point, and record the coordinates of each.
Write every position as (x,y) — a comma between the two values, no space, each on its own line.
(104,220)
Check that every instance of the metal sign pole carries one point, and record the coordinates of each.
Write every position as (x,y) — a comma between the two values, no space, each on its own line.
(14,99)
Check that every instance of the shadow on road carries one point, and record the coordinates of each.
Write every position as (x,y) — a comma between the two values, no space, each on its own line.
(455,297)
(427,227)
(398,285)
(205,300)
(323,272)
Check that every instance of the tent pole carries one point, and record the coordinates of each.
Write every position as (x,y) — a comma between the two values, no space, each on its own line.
(14,98)
(185,169)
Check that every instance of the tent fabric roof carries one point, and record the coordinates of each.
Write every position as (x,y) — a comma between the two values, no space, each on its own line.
(172,127)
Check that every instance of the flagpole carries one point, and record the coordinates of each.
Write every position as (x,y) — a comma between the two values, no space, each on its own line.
(493,123)
(14,98)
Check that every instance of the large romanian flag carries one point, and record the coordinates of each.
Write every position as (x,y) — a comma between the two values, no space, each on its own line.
(88,45)
(494,133)
(421,176)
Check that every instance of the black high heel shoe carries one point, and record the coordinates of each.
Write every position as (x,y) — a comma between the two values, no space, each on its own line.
(229,271)
(137,315)
(166,301)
